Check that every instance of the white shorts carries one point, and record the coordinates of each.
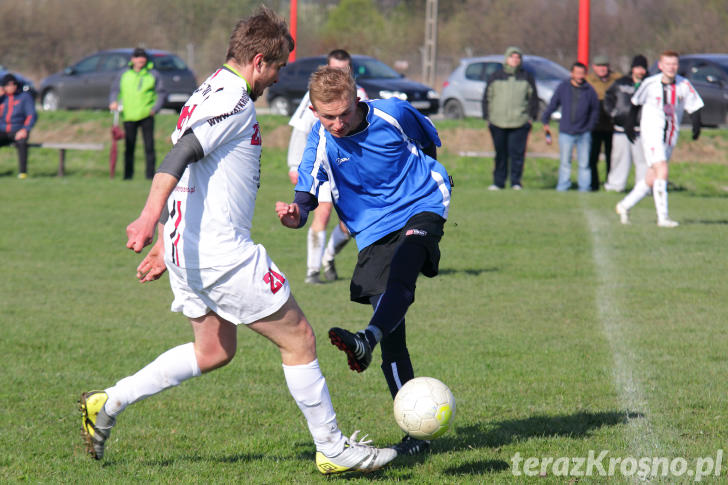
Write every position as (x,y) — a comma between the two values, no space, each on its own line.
(655,150)
(324,194)
(244,292)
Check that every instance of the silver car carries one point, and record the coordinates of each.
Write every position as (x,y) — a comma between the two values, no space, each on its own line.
(87,83)
(462,93)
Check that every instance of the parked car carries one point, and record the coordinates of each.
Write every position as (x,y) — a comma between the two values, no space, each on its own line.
(378,80)
(87,83)
(462,93)
(709,74)
(25,84)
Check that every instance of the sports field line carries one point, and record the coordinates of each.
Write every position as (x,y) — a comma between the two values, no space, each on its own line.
(617,329)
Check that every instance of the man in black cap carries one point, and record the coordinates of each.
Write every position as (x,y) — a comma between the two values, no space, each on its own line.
(17,118)
(617,103)
(139,94)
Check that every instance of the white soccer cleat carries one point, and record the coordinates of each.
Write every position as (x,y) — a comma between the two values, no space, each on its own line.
(667,223)
(623,213)
(357,456)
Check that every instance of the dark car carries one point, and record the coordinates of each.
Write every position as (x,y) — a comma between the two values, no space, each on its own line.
(462,93)
(378,80)
(87,83)
(709,75)
(24,83)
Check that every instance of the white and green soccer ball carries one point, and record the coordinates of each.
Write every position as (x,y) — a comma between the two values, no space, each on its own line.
(424,408)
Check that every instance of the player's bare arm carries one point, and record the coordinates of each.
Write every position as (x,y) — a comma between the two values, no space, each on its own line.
(140,233)
(289,214)
(152,266)
(187,150)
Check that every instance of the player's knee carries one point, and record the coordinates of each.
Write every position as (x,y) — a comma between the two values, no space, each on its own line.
(403,288)
(210,357)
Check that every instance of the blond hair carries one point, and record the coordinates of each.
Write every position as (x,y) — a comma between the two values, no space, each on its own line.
(329,84)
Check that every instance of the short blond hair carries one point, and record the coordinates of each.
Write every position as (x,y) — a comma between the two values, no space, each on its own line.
(329,84)
(670,53)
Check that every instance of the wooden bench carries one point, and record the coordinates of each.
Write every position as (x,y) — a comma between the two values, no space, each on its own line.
(62,147)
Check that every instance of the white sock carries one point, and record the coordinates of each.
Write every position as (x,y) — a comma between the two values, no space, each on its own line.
(337,241)
(638,192)
(659,193)
(169,369)
(308,388)
(316,241)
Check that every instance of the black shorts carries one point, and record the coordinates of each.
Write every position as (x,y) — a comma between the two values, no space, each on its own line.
(372,266)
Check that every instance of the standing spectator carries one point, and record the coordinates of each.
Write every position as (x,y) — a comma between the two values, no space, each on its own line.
(579,113)
(17,118)
(302,121)
(510,102)
(139,93)
(600,79)
(663,97)
(617,102)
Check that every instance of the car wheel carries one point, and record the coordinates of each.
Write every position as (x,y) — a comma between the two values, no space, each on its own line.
(280,106)
(50,101)
(453,109)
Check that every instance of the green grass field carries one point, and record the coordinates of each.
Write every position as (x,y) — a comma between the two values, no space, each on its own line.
(560,332)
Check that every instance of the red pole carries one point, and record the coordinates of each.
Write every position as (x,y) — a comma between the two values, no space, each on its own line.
(583,53)
(294,22)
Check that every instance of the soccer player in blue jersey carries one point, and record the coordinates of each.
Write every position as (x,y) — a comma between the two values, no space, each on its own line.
(379,158)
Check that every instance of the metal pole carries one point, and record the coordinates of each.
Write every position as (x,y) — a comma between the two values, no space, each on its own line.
(430,50)
(583,45)
(293,29)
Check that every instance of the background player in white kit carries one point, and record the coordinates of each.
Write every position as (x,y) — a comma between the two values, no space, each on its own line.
(219,277)
(302,121)
(663,98)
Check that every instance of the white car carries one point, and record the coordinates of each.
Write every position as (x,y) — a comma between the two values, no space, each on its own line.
(462,93)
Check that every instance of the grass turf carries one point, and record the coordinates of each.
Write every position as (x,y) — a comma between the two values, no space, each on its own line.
(558,330)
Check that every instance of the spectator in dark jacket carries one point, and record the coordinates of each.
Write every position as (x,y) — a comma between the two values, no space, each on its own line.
(579,114)
(510,103)
(17,118)
(617,103)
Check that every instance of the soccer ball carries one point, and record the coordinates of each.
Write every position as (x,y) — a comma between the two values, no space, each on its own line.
(424,408)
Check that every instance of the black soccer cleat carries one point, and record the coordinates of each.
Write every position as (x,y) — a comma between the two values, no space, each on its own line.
(355,345)
(411,446)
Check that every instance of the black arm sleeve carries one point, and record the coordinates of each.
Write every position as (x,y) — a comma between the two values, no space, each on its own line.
(187,150)
(306,203)
(695,118)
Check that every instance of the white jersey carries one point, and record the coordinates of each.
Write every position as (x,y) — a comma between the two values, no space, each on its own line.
(211,209)
(663,106)
(303,120)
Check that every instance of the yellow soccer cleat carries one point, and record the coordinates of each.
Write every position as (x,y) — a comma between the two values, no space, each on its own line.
(95,423)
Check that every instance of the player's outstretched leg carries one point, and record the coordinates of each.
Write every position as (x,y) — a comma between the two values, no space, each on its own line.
(355,346)
(356,456)
(96,424)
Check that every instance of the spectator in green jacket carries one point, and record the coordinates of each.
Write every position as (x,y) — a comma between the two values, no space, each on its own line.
(510,103)
(139,94)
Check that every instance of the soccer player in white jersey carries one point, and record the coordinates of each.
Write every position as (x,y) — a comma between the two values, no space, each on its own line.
(302,121)
(663,98)
(220,278)
(393,195)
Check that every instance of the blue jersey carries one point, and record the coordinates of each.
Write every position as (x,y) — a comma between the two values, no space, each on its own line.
(379,176)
